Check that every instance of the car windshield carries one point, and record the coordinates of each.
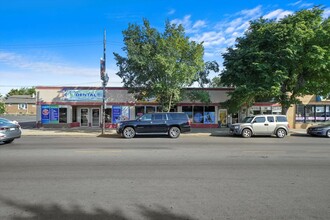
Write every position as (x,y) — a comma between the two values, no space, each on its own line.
(247,119)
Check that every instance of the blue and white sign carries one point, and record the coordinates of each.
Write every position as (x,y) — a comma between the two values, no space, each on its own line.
(81,95)
(116,113)
(49,114)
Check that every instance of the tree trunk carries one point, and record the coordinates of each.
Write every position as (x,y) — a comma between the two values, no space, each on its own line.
(169,104)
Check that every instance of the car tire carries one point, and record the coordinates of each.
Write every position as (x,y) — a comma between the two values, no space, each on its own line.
(328,134)
(246,133)
(280,133)
(128,132)
(174,132)
(9,141)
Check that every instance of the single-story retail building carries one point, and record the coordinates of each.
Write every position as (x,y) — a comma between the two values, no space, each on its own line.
(83,106)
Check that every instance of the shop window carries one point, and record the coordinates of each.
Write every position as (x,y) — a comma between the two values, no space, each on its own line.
(189,111)
(63,115)
(139,111)
(150,109)
(209,115)
(198,113)
(108,115)
(310,113)
(320,113)
(300,113)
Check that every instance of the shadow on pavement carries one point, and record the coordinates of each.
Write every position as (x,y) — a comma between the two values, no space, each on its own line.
(29,211)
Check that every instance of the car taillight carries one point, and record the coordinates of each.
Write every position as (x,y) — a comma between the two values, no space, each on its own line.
(288,126)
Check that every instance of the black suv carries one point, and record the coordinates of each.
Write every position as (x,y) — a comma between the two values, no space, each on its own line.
(170,123)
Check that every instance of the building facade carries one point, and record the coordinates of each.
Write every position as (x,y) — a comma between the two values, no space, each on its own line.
(20,105)
(83,106)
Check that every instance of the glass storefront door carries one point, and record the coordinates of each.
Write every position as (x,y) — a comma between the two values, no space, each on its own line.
(84,117)
(95,117)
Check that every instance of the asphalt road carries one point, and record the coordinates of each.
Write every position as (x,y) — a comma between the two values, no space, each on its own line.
(158,178)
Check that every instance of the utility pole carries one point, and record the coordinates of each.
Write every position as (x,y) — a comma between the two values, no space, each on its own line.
(104,78)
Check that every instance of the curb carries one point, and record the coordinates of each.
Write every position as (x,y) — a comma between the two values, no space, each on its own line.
(97,133)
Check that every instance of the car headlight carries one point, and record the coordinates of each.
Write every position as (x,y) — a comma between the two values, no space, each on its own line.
(236,127)
(119,124)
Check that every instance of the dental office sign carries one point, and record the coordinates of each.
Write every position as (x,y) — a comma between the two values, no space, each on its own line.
(81,95)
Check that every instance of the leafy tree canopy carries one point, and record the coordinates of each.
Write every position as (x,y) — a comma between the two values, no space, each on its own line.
(158,65)
(22,91)
(2,105)
(282,60)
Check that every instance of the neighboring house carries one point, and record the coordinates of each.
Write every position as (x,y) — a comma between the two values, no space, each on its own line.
(20,105)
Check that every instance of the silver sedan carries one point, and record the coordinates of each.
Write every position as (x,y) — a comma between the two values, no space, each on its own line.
(9,130)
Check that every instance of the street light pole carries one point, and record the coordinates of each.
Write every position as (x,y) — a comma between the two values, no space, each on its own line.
(104,78)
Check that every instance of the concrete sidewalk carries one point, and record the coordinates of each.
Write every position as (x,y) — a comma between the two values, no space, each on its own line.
(94,132)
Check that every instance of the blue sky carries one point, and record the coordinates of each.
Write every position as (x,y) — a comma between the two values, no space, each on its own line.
(59,43)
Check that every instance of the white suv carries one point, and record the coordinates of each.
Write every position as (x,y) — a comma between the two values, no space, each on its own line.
(262,125)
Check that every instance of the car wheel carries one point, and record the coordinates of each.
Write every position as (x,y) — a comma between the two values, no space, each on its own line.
(280,133)
(129,132)
(246,133)
(328,133)
(9,141)
(174,132)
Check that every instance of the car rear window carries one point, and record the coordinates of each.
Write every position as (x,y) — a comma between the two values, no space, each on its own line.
(270,119)
(158,117)
(281,119)
(176,116)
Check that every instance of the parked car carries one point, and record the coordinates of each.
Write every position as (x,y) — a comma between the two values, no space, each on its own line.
(9,130)
(171,124)
(261,125)
(319,130)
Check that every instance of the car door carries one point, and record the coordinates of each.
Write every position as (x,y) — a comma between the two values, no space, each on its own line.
(143,124)
(271,124)
(260,125)
(158,123)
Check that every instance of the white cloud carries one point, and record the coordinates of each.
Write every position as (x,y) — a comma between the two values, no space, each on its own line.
(171,12)
(21,62)
(185,22)
(199,24)
(295,3)
(277,14)
(306,5)
(326,13)
(252,12)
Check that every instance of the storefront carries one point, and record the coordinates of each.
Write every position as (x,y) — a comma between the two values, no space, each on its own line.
(83,106)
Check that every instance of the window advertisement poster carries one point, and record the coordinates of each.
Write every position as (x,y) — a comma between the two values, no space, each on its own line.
(120,113)
(209,118)
(198,117)
(116,114)
(125,113)
(49,114)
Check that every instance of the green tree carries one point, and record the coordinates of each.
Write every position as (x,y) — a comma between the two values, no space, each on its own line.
(2,106)
(283,60)
(159,65)
(22,91)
